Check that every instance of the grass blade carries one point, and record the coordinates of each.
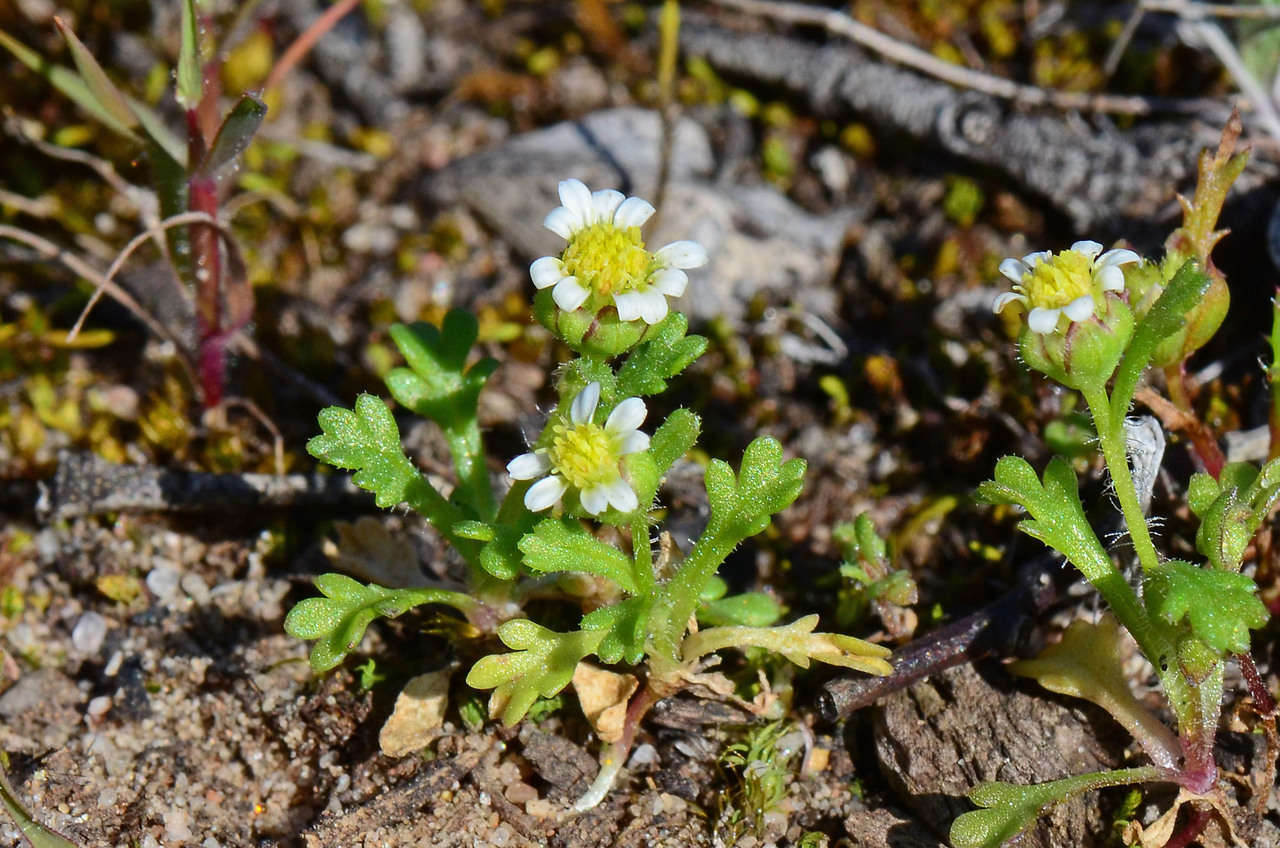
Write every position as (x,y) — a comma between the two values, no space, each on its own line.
(65,81)
(190,77)
(96,80)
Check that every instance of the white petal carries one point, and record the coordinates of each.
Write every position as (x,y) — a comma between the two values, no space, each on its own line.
(595,500)
(583,408)
(1080,308)
(562,222)
(1119,256)
(621,496)
(1014,269)
(633,212)
(545,493)
(528,466)
(1042,320)
(1111,278)
(1007,298)
(633,442)
(683,254)
(653,306)
(1089,248)
(1031,260)
(569,293)
(605,202)
(628,304)
(576,197)
(627,415)
(671,281)
(545,272)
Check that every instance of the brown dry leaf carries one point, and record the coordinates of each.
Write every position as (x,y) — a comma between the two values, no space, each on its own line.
(418,712)
(366,549)
(603,696)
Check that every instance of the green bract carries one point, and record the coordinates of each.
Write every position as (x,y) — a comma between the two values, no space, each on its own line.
(578,519)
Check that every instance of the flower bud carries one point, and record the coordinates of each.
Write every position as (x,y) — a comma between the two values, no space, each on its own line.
(1087,353)
(1148,283)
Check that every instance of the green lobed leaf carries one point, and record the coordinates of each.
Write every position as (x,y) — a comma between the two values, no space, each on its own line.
(367,441)
(626,629)
(751,609)
(666,353)
(563,544)
(1202,491)
(1057,516)
(741,507)
(190,76)
(764,485)
(436,384)
(234,136)
(540,665)
(1007,809)
(1221,607)
(674,438)
(339,619)
(501,556)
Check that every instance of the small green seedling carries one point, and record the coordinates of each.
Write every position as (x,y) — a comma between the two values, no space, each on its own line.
(582,498)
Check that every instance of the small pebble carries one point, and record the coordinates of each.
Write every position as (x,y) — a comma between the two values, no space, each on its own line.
(643,755)
(196,588)
(539,808)
(97,709)
(163,582)
(177,825)
(520,792)
(89,632)
(112,667)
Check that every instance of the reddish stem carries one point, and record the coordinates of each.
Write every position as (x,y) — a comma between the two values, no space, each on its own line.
(1263,704)
(299,48)
(1199,770)
(1202,438)
(636,711)
(1192,829)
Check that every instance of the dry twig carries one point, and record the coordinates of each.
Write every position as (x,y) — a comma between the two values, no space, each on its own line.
(913,57)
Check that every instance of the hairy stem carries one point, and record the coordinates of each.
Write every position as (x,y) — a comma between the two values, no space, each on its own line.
(1111,439)
(467,449)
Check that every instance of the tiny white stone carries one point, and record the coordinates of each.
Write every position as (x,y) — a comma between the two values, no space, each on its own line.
(89,633)
(195,587)
(163,582)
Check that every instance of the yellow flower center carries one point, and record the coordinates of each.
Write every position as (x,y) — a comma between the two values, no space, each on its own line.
(606,258)
(583,454)
(1058,280)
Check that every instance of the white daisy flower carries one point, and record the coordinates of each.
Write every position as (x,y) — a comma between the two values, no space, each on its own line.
(585,456)
(606,260)
(1069,283)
